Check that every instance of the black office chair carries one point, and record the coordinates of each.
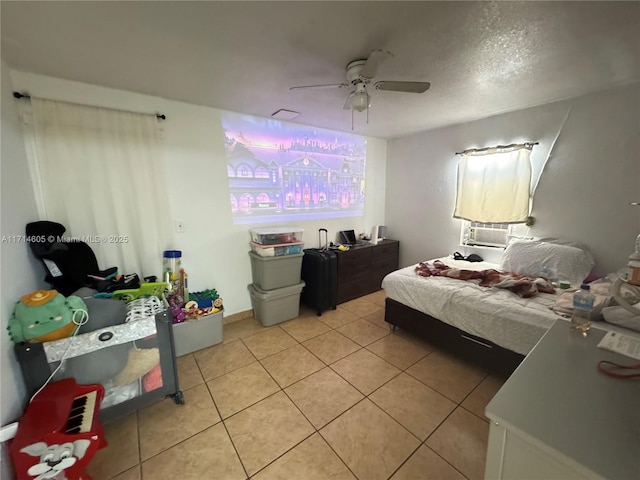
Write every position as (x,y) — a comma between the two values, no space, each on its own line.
(68,263)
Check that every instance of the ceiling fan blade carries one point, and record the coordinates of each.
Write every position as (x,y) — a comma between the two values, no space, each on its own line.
(410,87)
(373,62)
(347,103)
(327,85)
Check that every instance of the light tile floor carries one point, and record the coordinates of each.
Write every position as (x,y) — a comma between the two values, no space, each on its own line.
(331,397)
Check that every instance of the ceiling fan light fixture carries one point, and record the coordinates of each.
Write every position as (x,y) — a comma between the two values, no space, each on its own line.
(360,99)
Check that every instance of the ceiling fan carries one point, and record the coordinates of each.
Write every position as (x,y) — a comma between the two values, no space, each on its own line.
(360,73)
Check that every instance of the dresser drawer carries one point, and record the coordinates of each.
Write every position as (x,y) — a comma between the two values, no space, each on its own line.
(361,269)
(382,268)
(385,251)
(354,262)
(354,287)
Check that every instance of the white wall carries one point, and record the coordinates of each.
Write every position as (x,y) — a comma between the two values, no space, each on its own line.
(591,176)
(20,274)
(214,250)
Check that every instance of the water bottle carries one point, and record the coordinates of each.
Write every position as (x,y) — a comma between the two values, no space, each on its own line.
(583,301)
(549,273)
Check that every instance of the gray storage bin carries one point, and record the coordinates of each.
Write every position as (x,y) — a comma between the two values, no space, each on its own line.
(197,334)
(270,273)
(275,306)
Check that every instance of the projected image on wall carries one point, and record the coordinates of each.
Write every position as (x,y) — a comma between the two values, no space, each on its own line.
(281,171)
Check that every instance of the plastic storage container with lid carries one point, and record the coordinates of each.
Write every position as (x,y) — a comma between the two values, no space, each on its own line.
(277,250)
(270,273)
(276,235)
(275,306)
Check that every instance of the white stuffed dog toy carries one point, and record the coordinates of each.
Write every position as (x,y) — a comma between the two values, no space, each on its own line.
(54,459)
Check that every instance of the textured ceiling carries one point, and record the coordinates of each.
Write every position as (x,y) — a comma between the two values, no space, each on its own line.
(481,58)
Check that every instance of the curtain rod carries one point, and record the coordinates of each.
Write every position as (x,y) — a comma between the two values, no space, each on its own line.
(18,95)
(528,145)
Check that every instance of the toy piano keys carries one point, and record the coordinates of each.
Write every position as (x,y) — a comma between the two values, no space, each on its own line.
(59,433)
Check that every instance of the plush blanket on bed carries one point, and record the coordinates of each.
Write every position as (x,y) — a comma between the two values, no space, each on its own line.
(521,285)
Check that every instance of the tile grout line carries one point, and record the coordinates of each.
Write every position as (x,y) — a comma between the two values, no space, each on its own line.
(284,453)
(294,404)
(444,459)
(402,369)
(331,446)
(139,464)
(196,433)
(315,430)
(327,365)
(434,389)
(233,370)
(282,389)
(405,461)
(233,444)
(336,360)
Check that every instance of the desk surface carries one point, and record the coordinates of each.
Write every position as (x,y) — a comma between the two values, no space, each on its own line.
(558,397)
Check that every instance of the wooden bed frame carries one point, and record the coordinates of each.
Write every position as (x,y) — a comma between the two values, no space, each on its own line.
(481,352)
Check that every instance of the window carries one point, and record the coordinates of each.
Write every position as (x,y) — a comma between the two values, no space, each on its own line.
(262,172)
(92,167)
(246,199)
(494,185)
(244,171)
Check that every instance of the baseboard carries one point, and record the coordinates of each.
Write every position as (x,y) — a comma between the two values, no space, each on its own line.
(236,317)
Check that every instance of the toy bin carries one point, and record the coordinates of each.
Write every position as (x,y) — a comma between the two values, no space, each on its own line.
(277,250)
(197,334)
(270,273)
(276,235)
(275,306)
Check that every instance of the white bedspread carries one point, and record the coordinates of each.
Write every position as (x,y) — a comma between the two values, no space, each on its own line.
(492,313)
(497,315)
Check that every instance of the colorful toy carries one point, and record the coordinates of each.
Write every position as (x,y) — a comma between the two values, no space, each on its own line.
(179,315)
(206,298)
(193,309)
(44,316)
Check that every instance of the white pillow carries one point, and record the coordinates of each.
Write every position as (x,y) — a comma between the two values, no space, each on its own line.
(570,264)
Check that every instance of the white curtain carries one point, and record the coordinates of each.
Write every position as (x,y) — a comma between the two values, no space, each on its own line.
(100,173)
(493,186)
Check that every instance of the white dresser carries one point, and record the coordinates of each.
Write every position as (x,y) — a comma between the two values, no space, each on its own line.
(557,417)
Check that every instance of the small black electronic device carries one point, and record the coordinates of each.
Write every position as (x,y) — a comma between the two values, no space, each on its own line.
(348,237)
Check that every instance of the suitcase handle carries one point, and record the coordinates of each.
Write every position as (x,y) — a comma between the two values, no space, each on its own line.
(326,239)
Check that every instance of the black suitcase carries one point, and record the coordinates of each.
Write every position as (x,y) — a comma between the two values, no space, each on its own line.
(320,275)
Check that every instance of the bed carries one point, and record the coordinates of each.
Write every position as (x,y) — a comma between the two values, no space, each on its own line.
(493,327)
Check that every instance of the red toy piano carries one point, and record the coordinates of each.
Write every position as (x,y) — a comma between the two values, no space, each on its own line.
(59,433)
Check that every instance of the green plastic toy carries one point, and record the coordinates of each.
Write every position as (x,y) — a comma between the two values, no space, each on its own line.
(151,289)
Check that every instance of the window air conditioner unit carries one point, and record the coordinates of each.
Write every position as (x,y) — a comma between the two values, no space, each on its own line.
(486,235)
